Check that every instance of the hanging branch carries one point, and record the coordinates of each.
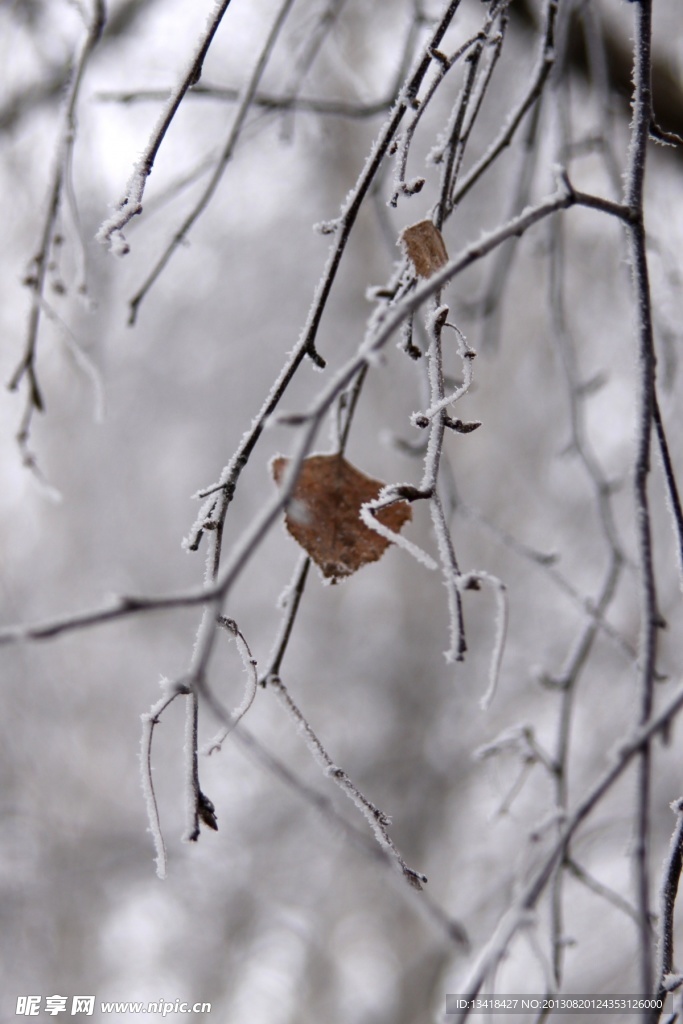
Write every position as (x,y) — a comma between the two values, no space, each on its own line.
(50,239)
(214,594)
(667,898)
(149,723)
(567,680)
(213,515)
(243,107)
(518,915)
(544,66)
(249,663)
(447,926)
(130,204)
(379,822)
(647,653)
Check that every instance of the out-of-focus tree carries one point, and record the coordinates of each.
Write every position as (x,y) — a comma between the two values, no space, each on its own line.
(480,335)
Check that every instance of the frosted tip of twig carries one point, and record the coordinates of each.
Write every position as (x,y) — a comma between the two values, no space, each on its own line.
(228,624)
(114,238)
(161,866)
(412,187)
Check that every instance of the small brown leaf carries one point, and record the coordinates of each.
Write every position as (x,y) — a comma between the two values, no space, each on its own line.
(424,245)
(323,514)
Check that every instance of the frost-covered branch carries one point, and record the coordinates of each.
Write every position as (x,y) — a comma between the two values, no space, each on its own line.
(518,915)
(667,904)
(214,512)
(243,106)
(37,276)
(544,65)
(379,822)
(310,422)
(650,619)
(448,926)
(130,204)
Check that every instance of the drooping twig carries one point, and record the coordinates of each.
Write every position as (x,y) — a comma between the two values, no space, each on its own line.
(130,204)
(243,107)
(36,278)
(472,47)
(249,663)
(379,822)
(448,926)
(149,721)
(544,65)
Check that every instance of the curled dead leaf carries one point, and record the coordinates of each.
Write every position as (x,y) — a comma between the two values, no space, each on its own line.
(323,514)
(425,247)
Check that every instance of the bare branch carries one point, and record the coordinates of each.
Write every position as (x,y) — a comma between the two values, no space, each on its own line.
(517,916)
(647,654)
(37,275)
(113,228)
(130,205)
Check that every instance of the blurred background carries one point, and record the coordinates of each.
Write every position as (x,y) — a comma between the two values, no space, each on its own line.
(279,916)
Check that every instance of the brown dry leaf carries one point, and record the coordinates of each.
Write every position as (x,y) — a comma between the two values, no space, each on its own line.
(323,514)
(424,244)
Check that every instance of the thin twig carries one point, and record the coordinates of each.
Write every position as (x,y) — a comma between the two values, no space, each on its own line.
(545,63)
(379,822)
(149,721)
(243,107)
(671,484)
(604,891)
(37,277)
(265,100)
(518,915)
(293,598)
(130,204)
(250,689)
(448,926)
